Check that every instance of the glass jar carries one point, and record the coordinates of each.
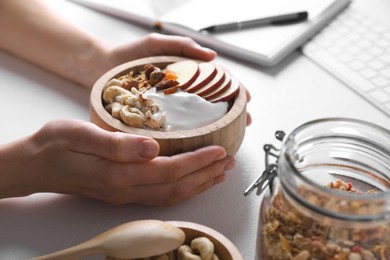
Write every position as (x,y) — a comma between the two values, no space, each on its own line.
(327,195)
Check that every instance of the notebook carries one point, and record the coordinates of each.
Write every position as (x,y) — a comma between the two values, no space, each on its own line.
(265,45)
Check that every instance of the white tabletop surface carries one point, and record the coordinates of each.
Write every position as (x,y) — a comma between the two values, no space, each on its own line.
(283,97)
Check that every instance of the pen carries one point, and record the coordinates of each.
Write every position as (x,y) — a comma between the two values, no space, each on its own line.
(278,19)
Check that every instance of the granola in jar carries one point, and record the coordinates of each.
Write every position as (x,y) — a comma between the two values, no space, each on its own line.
(288,233)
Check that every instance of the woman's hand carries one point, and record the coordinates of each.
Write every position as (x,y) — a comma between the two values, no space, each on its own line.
(153,44)
(79,158)
(159,44)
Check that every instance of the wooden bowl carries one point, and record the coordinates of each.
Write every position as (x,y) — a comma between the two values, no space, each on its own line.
(223,247)
(227,132)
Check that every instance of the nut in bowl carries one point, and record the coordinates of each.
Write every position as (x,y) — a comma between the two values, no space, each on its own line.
(183,104)
(224,249)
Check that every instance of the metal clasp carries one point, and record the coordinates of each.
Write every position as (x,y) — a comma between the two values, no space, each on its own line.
(267,177)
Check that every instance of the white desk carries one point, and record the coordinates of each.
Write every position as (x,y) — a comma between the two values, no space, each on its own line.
(283,97)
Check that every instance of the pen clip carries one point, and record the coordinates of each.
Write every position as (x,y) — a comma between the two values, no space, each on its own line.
(301,16)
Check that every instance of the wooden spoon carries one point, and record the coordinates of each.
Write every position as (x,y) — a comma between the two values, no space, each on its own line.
(131,240)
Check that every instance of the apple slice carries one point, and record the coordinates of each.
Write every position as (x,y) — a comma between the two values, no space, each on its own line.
(187,71)
(224,86)
(213,84)
(207,72)
(229,94)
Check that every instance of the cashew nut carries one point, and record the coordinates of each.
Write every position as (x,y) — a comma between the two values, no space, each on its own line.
(135,91)
(204,246)
(114,109)
(155,122)
(113,82)
(129,103)
(200,245)
(132,116)
(110,94)
(138,104)
(128,99)
(149,105)
(185,253)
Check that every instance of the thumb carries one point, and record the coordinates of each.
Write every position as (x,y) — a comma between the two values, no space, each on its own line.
(116,146)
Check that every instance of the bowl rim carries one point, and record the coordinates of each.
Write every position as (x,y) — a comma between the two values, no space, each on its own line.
(96,103)
(211,234)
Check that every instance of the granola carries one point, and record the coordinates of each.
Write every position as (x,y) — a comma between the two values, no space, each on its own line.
(124,97)
(287,233)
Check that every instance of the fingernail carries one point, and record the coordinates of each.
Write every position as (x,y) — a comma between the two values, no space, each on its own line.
(230,165)
(220,156)
(210,50)
(147,149)
(219,179)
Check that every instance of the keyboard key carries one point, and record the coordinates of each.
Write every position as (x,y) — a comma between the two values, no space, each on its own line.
(383,42)
(385,57)
(386,72)
(353,49)
(369,73)
(381,81)
(371,36)
(345,57)
(335,50)
(357,65)
(377,65)
(375,50)
(353,36)
(364,43)
(380,95)
(379,28)
(365,57)
(387,90)
(361,29)
(346,42)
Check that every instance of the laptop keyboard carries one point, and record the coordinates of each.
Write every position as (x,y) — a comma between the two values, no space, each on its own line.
(356,49)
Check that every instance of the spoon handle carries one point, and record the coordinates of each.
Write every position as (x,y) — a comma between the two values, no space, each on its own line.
(137,239)
(75,252)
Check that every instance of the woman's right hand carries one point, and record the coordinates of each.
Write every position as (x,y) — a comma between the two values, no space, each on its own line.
(79,158)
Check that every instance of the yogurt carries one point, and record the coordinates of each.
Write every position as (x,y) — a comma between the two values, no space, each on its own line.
(187,111)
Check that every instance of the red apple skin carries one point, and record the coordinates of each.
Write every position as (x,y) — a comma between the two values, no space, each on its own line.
(206,79)
(230,93)
(222,88)
(212,85)
(207,72)
(187,72)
